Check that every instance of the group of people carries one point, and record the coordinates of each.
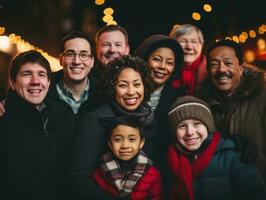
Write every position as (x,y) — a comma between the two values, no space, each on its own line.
(163,122)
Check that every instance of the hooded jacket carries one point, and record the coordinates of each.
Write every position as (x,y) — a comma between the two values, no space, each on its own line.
(244,112)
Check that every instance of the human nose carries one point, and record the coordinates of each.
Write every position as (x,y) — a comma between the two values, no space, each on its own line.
(130,90)
(112,48)
(190,130)
(76,58)
(34,79)
(222,67)
(162,65)
(125,144)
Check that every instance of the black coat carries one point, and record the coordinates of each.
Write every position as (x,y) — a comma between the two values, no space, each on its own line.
(92,102)
(34,162)
(168,96)
(91,143)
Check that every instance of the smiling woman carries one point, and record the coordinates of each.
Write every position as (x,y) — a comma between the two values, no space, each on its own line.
(127,87)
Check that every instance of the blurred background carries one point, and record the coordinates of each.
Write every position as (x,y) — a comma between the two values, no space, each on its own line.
(41,24)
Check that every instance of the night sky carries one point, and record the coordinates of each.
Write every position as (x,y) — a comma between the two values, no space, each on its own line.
(43,22)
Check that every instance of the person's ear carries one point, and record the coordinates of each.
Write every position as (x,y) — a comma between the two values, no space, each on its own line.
(61,59)
(142,143)
(12,83)
(109,145)
(241,69)
(92,62)
(128,49)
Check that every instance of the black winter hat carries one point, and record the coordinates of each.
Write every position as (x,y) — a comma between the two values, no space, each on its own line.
(189,107)
(153,42)
(229,43)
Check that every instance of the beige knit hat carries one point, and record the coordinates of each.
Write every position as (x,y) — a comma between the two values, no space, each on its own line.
(189,107)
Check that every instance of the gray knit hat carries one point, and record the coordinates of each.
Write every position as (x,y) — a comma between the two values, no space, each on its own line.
(189,107)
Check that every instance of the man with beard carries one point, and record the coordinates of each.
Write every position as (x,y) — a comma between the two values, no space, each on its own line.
(237,99)
(111,42)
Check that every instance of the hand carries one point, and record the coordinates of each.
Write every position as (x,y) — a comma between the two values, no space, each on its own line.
(246,147)
(2,108)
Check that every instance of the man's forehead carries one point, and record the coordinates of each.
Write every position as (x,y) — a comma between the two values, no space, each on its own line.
(32,67)
(223,51)
(77,43)
(117,36)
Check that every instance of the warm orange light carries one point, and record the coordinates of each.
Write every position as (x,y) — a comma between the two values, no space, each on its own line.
(2,30)
(235,38)
(260,30)
(107,18)
(252,34)
(99,2)
(245,34)
(113,22)
(261,44)
(242,38)
(249,56)
(196,16)
(207,7)
(108,11)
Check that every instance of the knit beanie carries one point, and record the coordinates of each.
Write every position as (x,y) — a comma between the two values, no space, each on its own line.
(189,107)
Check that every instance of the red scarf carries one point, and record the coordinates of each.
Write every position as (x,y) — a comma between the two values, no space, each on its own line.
(192,74)
(185,172)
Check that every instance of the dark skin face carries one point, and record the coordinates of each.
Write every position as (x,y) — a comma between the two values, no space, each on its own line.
(224,69)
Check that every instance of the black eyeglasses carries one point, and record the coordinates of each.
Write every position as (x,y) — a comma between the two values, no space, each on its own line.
(82,56)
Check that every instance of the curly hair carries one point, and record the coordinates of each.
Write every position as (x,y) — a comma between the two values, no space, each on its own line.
(114,69)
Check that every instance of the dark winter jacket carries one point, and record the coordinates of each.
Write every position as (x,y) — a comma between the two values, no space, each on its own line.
(92,102)
(148,187)
(244,112)
(171,91)
(90,145)
(34,157)
(226,178)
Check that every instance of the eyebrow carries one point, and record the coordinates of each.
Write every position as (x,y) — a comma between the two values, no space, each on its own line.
(82,51)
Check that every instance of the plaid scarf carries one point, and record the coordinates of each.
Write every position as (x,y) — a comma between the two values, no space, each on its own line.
(124,183)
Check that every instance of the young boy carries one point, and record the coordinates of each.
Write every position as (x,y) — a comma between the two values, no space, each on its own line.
(204,165)
(126,172)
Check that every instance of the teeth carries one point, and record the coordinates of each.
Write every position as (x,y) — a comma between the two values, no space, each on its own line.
(191,141)
(34,91)
(75,69)
(131,101)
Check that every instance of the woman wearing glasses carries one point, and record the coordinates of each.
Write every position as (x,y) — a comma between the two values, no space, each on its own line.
(194,70)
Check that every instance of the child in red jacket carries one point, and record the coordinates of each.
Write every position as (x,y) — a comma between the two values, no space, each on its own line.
(126,172)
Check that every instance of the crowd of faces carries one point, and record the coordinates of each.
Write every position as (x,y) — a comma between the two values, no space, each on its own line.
(32,81)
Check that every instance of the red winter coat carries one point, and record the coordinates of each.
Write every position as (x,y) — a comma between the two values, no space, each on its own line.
(148,187)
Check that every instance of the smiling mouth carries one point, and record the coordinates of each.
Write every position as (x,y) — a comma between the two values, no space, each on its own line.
(131,101)
(191,141)
(222,78)
(159,75)
(125,153)
(34,91)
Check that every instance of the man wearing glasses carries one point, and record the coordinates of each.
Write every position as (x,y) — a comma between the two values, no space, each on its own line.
(73,85)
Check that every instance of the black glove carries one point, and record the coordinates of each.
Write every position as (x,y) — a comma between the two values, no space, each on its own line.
(246,147)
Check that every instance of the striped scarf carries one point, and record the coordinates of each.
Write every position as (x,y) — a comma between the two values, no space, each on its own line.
(125,183)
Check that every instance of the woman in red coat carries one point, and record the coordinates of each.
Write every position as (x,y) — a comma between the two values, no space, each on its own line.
(125,171)
(194,70)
